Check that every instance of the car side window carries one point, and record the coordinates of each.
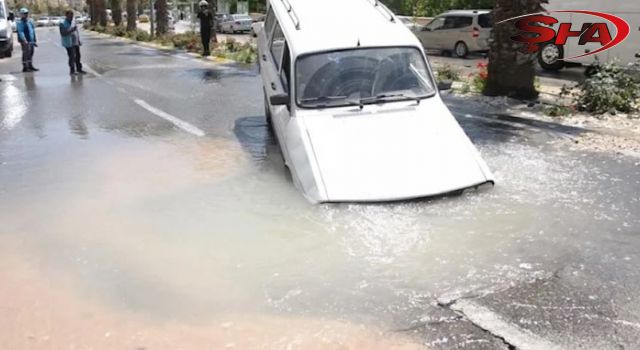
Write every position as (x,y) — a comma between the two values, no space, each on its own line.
(436,24)
(269,21)
(485,20)
(285,70)
(463,22)
(277,45)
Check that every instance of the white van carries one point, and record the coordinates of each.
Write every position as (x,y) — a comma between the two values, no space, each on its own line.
(355,108)
(458,31)
(6,33)
(550,55)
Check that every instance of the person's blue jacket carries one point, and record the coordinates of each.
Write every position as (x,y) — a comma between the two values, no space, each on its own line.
(22,26)
(65,33)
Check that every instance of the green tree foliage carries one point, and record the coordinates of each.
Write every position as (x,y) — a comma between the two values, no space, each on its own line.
(433,7)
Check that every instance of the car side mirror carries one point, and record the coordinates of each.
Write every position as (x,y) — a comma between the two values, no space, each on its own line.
(11,17)
(279,100)
(445,85)
(426,29)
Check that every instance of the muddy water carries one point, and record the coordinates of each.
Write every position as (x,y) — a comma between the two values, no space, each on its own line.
(110,240)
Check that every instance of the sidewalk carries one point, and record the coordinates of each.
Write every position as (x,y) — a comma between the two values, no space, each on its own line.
(186,26)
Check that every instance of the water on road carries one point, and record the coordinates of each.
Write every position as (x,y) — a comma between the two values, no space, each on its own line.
(120,230)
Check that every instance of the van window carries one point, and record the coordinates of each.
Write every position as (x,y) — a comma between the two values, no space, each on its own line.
(485,20)
(455,22)
(268,22)
(277,45)
(362,76)
(436,24)
(285,71)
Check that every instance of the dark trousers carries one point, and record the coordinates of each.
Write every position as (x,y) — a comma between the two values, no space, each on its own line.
(74,58)
(206,39)
(27,54)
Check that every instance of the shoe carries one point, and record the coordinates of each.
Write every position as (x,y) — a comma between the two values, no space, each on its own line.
(72,72)
(26,70)
(33,69)
(81,72)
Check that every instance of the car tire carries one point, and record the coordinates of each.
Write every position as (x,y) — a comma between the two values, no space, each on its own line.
(549,57)
(461,50)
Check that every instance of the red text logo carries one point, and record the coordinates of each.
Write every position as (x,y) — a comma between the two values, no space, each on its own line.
(535,30)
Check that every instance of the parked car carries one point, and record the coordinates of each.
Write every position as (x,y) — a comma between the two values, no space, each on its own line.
(236,23)
(458,31)
(43,21)
(552,57)
(6,35)
(355,107)
(143,19)
(55,21)
(220,18)
(257,25)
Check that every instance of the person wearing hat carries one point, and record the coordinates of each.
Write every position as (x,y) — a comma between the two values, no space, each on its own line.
(206,25)
(71,42)
(27,37)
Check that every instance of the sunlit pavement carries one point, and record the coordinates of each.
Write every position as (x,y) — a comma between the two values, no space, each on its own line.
(145,206)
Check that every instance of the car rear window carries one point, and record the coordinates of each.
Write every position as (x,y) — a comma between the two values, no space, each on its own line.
(485,20)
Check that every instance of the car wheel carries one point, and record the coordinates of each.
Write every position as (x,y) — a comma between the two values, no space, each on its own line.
(550,57)
(461,50)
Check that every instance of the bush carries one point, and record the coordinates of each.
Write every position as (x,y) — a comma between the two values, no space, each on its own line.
(120,31)
(446,72)
(611,88)
(479,80)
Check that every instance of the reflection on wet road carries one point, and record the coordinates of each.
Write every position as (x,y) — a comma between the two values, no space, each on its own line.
(121,230)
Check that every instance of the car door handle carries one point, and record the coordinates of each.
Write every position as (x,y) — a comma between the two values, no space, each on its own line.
(273,86)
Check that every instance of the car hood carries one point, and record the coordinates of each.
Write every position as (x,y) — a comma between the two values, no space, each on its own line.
(393,152)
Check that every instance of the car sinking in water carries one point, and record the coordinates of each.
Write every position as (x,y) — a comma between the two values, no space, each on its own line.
(355,108)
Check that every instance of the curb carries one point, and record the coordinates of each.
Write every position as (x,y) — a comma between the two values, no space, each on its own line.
(163,48)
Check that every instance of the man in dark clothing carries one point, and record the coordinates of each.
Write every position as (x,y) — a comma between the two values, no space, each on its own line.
(206,25)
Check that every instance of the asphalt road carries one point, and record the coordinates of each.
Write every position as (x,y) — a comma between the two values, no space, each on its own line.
(145,206)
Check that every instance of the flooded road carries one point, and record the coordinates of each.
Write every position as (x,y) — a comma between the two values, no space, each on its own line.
(120,229)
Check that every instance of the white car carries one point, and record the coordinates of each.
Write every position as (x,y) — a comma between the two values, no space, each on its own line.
(355,107)
(43,21)
(458,31)
(55,21)
(236,23)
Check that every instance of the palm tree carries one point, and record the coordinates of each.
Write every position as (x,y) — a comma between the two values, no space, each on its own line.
(132,15)
(116,12)
(162,25)
(511,71)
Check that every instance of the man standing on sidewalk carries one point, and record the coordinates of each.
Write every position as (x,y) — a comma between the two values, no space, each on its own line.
(27,37)
(71,42)
(206,25)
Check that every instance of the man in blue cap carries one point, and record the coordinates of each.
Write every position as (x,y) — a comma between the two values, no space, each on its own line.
(27,37)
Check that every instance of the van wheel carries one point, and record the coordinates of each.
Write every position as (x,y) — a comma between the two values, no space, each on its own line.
(461,50)
(550,57)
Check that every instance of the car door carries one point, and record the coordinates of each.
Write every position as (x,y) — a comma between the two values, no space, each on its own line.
(429,35)
(275,63)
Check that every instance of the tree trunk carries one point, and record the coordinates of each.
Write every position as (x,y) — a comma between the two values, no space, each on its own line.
(100,12)
(213,5)
(511,71)
(92,12)
(132,15)
(116,12)
(162,23)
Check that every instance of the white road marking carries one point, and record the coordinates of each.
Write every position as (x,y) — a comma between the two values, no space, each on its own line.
(168,117)
(492,322)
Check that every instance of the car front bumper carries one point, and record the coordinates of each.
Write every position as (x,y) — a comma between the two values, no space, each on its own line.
(6,45)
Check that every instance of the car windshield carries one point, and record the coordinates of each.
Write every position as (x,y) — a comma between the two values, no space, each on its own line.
(362,76)
(1,11)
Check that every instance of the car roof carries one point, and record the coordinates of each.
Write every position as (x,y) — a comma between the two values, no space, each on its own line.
(322,28)
(466,12)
